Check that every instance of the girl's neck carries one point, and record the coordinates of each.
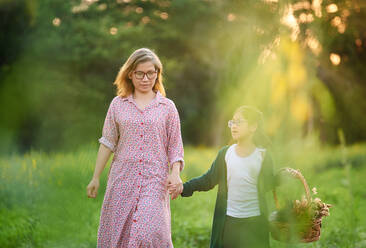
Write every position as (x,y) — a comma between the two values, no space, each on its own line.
(245,146)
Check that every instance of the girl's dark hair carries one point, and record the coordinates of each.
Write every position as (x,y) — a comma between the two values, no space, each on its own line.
(253,115)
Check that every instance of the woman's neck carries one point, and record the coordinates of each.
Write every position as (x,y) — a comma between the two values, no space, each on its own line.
(143,96)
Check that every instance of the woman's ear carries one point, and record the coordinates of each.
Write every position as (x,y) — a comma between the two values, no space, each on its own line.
(130,75)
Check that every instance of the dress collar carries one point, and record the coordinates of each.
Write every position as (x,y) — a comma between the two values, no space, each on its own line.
(159,98)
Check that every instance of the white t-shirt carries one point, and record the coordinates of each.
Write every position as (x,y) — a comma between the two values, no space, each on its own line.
(242,176)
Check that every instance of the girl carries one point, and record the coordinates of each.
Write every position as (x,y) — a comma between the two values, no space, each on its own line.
(142,128)
(243,172)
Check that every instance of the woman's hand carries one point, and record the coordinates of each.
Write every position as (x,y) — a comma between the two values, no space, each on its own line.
(102,159)
(92,188)
(175,184)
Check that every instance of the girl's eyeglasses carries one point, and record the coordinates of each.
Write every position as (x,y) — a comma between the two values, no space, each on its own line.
(141,74)
(236,122)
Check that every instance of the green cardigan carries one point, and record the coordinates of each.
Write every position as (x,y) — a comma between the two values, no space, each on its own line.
(217,175)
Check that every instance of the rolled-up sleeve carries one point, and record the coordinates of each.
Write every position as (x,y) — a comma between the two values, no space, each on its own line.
(175,143)
(110,133)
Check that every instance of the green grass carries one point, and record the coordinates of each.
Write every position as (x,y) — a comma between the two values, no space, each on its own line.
(44,204)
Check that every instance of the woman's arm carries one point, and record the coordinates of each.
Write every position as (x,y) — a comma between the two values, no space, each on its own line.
(175,152)
(175,149)
(108,144)
(102,159)
(110,132)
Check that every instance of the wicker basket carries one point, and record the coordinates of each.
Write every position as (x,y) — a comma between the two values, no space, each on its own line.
(291,232)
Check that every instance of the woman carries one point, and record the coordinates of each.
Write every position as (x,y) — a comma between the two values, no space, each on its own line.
(142,128)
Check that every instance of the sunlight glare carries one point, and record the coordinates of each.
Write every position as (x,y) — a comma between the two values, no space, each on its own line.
(56,21)
(332,8)
(335,59)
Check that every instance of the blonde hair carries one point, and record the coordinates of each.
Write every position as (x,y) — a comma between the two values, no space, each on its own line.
(124,83)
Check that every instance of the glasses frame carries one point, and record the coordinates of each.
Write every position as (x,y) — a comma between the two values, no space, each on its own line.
(230,123)
(145,73)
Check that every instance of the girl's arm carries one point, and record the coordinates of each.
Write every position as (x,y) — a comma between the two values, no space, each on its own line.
(205,182)
(102,159)
(271,180)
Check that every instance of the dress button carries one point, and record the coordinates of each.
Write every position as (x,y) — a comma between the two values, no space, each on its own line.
(140,160)
(140,173)
(134,220)
(142,123)
(141,135)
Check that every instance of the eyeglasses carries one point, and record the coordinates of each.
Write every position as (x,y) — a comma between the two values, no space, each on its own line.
(141,74)
(236,122)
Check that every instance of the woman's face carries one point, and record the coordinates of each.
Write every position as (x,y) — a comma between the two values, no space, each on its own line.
(144,77)
(240,128)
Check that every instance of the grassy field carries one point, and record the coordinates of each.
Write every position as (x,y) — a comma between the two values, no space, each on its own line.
(44,204)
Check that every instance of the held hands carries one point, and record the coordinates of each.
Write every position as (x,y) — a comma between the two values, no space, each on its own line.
(175,184)
(92,188)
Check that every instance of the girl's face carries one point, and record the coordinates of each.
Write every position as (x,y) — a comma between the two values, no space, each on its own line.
(144,77)
(240,128)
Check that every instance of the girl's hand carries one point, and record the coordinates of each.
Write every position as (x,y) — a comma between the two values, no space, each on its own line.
(92,188)
(175,185)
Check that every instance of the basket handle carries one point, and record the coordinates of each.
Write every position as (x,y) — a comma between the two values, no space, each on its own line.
(296,174)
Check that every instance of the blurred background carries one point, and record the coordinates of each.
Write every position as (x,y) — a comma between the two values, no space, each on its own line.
(301,62)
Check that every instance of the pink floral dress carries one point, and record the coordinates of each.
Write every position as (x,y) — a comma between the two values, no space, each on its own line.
(136,207)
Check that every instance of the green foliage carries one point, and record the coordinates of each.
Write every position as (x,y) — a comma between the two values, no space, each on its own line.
(17,228)
(59,60)
(44,203)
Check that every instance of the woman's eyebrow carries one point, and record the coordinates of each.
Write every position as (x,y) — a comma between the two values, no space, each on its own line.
(146,71)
